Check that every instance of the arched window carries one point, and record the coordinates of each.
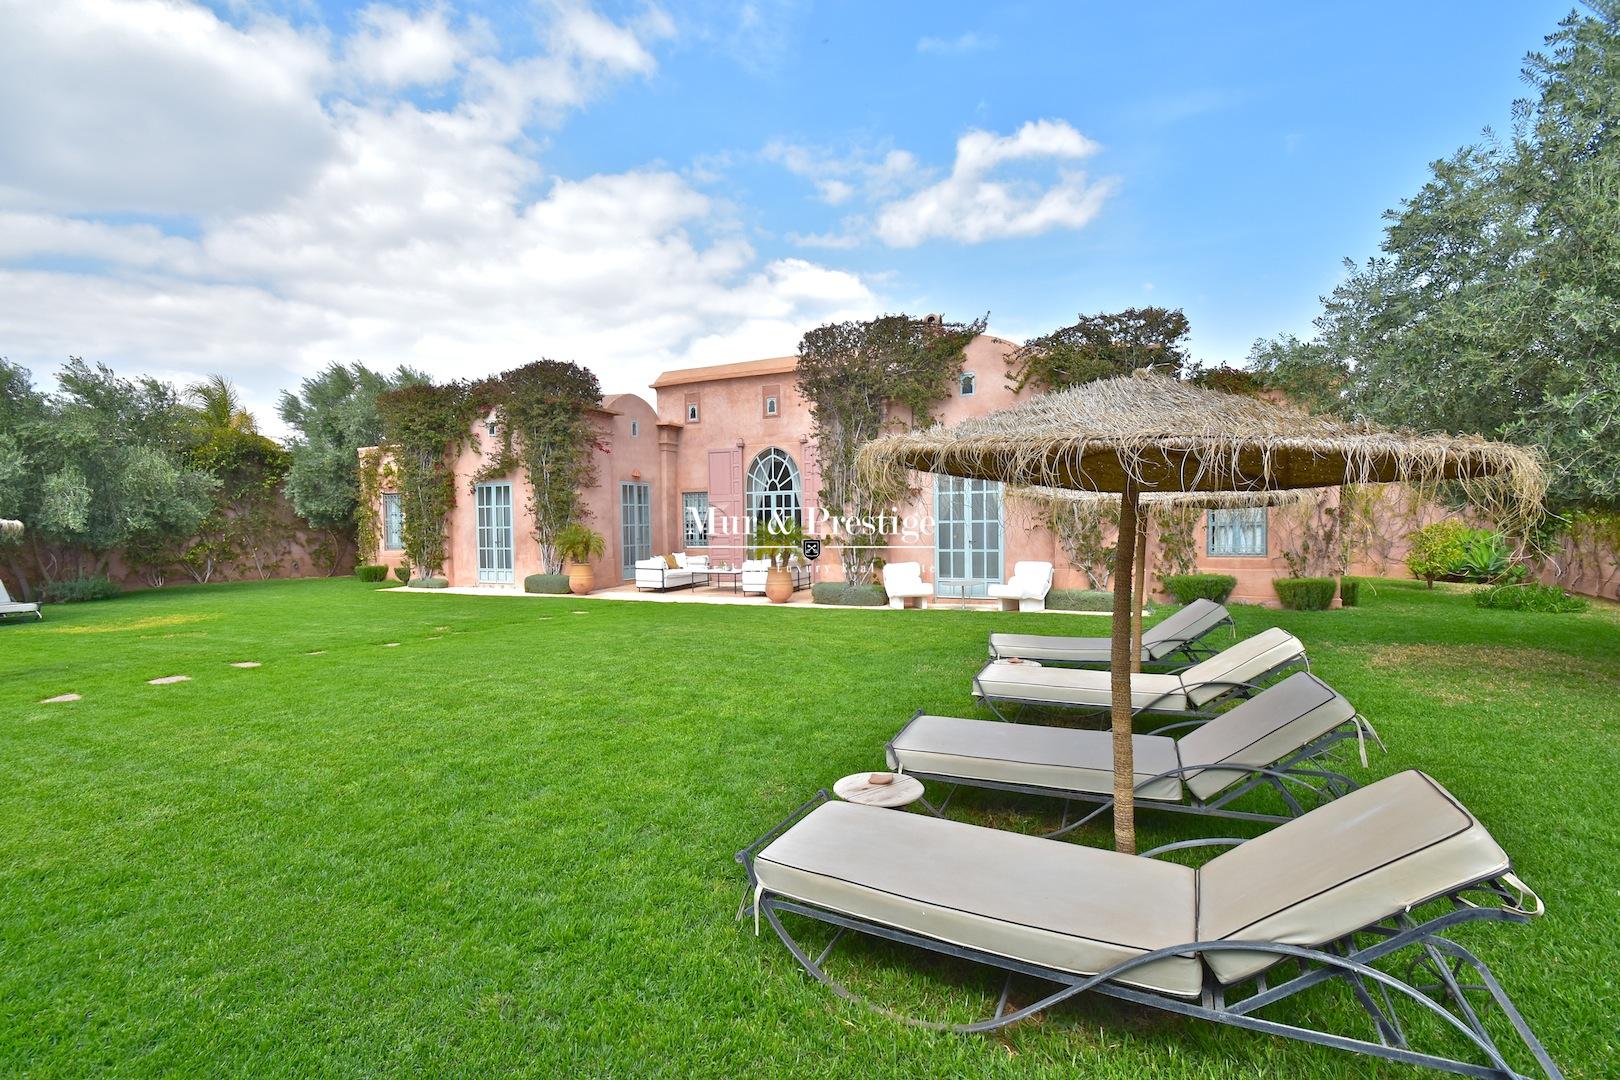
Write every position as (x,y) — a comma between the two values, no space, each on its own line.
(773,489)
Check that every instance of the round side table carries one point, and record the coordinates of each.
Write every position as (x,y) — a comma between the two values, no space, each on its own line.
(859,789)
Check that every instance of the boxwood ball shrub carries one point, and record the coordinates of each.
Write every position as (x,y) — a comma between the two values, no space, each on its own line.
(1080,600)
(546,583)
(1189,587)
(402,573)
(430,583)
(371,572)
(1306,593)
(80,589)
(1532,596)
(1349,591)
(839,594)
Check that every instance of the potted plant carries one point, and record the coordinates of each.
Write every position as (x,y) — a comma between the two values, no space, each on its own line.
(778,540)
(578,545)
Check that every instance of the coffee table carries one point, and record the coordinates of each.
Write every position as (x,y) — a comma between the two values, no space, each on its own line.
(857,788)
(734,576)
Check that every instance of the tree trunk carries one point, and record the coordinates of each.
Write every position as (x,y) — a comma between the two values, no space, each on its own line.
(1120,677)
(1144,518)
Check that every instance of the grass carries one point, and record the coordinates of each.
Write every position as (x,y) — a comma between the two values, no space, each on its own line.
(504,846)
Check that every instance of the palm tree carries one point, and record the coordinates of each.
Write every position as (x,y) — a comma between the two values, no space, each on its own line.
(219,407)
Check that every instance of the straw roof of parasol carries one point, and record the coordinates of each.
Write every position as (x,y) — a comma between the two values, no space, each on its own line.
(1048,499)
(8,527)
(1168,435)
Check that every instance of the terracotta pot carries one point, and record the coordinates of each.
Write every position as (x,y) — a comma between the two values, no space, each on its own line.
(778,585)
(580,578)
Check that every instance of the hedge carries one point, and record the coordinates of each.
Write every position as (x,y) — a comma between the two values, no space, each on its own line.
(546,583)
(839,594)
(402,573)
(429,583)
(371,572)
(1531,597)
(79,589)
(1306,593)
(1080,600)
(1349,591)
(1189,587)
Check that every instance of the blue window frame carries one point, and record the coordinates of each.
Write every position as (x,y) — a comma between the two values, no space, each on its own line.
(393,523)
(1239,531)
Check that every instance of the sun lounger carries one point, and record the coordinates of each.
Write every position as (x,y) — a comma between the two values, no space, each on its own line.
(1382,873)
(1195,691)
(1274,740)
(9,607)
(1177,639)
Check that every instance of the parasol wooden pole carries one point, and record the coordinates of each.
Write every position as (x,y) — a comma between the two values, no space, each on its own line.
(1120,675)
(1144,519)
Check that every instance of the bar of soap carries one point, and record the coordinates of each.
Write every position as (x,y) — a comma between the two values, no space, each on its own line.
(880,778)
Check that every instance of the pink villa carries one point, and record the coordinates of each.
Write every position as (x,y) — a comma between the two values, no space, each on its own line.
(732,443)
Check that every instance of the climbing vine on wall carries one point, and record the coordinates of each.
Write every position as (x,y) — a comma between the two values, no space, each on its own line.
(424,428)
(1176,528)
(368,530)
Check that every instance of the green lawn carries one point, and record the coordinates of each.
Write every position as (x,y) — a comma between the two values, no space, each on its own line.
(505,845)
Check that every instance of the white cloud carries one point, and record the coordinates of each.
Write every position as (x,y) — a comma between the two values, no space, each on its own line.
(874,172)
(428,236)
(394,48)
(960,45)
(971,206)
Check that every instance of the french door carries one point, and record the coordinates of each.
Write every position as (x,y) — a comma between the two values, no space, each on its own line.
(967,536)
(635,526)
(494,506)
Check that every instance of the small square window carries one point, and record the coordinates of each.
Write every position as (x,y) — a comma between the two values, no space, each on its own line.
(691,412)
(770,406)
(635,428)
(491,427)
(967,383)
(1240,531)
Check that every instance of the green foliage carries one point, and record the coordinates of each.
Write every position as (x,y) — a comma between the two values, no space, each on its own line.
(1349,591)
(1530,596)
(541,412)
(1485,556)
(1102,346)
(424,428)
(1308,373)
(1087,530)
(863,379)
(1080,600)
(1494,306)
(841,594)
(78,589)
(371,572)
(1186,588)
(579,543)
(402,572)
(778,539)
(546,583)
(1436,551)
(1306,593)
(429,583)
(1177,532)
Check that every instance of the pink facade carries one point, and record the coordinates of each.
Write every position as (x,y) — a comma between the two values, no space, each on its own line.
(734,440)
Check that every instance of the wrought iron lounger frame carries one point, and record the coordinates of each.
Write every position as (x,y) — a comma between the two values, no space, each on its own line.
(1232,691)
(1324,784)
(1191,650)
(1342,959)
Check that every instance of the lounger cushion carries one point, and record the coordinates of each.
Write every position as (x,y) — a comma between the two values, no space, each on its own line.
(1058,650)
(1063,759)
(1241,662)
(1262,731)
(1177,629)
(19,609)
(1361,858)
(1064,906)
(1079,687)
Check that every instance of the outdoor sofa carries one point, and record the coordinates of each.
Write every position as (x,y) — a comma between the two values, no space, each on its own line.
(1176,640)
(1027,588)
(1235,671)
(10,607)
(656,573)
(1276,740)
(1382,873)
(903,581)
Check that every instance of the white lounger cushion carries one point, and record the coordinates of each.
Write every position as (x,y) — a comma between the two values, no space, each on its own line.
(1363,857)
(1159,640)
(1064,906)
(1063,759)
(1081,687)
(1273,724)
(1241,662)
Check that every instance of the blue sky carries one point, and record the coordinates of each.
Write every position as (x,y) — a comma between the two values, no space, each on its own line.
(259,189)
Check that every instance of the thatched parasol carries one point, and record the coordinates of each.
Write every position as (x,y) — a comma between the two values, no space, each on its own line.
(1148,432)
(1048,501)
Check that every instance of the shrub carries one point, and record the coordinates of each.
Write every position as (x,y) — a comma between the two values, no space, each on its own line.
(429,583)
(1189,587)
(1485,556)
(546,583)
(839,594)
(1080,600)
(1349,591)
(79,589)
(1305,593)
(371,572)
(580,544)
(402,573)
(1529,597)
(1436,551)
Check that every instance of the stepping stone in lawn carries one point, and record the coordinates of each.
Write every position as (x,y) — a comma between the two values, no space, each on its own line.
(580,613)
(441,629)
(390,644)
(245,663)
(317,652)
(167,679)
(59,698)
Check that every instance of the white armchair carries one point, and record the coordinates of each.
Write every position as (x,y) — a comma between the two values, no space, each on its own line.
(753,575)
(903,581)
(1027,588)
